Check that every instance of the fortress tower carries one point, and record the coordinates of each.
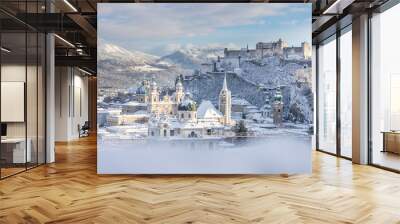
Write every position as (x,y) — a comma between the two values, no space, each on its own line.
(225,102)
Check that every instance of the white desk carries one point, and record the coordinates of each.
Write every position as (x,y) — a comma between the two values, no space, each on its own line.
(19,155)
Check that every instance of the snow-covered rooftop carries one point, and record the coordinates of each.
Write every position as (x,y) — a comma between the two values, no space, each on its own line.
(252,111)
(134,103)
(141,112)
(207,110)
(239,101)
(175,123)
(108,111)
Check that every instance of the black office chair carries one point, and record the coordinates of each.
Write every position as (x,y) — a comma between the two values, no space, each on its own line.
(84,130)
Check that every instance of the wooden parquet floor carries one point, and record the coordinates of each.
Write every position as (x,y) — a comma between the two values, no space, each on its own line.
(70,191)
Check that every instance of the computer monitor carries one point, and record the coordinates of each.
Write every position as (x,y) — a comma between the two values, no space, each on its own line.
(3,129)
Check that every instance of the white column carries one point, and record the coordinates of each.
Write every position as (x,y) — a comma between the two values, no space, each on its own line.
(360,90)
(63,102)
(50,99)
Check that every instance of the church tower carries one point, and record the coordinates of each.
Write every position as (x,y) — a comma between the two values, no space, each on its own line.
(154,98)
(225,102)
(179,93)
(142,93)
(146,85)
(278,108)
(154,95)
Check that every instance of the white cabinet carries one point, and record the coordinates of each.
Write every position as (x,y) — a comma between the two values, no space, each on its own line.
(19,155)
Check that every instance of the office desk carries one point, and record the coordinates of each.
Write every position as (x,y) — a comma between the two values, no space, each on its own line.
(391,141)
(15,148)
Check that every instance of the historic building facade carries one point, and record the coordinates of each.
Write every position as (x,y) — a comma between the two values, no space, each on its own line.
(265,49)
(179,116)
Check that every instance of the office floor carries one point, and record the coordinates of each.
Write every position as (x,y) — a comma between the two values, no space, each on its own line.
(10,170)
(70,191)
(387,159)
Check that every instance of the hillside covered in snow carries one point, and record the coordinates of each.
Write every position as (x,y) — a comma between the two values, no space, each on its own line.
(121,68)
(256,80)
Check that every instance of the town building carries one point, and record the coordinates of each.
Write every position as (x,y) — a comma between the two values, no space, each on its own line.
(186,119)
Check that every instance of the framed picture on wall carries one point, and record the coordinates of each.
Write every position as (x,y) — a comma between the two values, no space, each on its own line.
(13,101)
(204,88)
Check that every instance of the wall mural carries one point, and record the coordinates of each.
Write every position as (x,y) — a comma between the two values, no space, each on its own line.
(204,88)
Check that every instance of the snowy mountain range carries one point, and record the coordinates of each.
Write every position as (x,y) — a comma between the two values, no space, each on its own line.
(123,68)
(192,58)
(180,59)
(114,52)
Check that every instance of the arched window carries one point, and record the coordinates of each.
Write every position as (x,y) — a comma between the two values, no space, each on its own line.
(165,133)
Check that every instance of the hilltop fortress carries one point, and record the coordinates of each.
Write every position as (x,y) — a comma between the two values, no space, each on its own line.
(265,49)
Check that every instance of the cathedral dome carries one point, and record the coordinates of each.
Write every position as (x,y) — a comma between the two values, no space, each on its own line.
(278,96)
(179,84)
(141,90)
(153,84)
(187,105)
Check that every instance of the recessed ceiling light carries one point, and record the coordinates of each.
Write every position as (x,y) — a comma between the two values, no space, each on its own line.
(84,71)
(5,50)
(337,7)
(64,40)
(70,5)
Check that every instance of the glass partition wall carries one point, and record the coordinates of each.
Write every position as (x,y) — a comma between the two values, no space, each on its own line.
(385,89)
(22,77)
(334,99)
(345,108)
(327,96)
(334,105)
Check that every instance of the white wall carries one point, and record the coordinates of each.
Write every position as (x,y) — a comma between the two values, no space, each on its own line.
(14,73)
(33,125)
(71,102)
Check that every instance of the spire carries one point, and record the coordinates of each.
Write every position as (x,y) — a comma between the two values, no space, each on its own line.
(225,86)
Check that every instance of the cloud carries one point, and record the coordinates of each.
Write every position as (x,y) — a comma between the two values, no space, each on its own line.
(290,22)
(160,28)
(172,47)
(155,21)
(175,47)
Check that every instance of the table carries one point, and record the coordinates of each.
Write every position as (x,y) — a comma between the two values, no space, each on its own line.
(391,141)
(15,148)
